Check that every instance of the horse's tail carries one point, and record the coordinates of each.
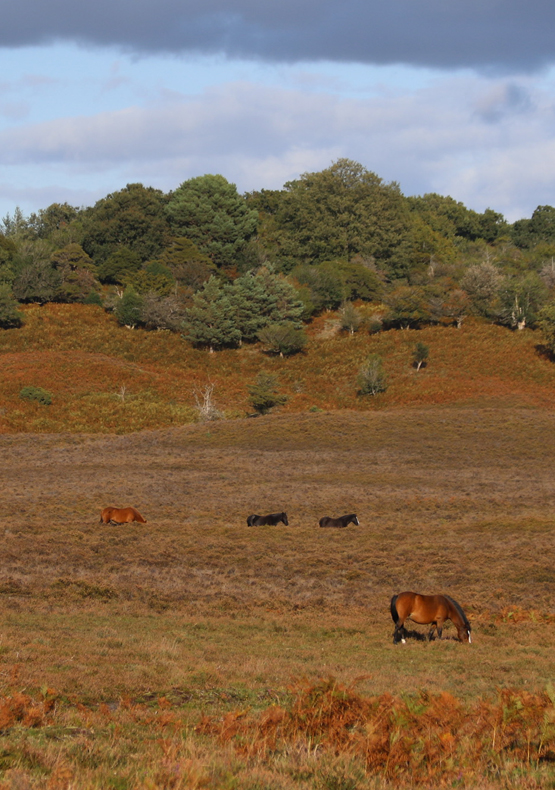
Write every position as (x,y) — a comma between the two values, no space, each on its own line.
(393,609)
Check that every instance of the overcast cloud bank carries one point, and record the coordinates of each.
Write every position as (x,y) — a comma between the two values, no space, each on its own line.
(505,34)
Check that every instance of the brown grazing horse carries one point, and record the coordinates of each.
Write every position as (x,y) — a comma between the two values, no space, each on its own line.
(424,609)
(340,522)
(125,515)
(270,520)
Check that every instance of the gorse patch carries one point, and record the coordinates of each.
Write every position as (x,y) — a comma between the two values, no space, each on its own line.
(36,394)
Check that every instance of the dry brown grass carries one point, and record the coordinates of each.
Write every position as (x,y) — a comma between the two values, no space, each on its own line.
(217,618)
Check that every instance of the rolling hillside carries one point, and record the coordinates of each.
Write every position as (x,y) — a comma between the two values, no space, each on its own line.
(106,378)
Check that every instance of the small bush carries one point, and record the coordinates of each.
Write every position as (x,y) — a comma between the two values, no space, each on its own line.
(375,324)
(36,393)
(283,338)
(420,355)
(371,377)
(349,318)
(264,395)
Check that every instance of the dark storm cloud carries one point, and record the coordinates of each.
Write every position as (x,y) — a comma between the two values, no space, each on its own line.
(483,34)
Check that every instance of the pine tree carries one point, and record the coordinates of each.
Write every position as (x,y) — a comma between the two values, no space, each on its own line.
(210,322)
(264,393)
(261,299)
(209,211)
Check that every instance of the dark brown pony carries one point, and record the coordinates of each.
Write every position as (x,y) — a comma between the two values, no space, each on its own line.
(340,522)
(270,520)
(114,515)
(424,609)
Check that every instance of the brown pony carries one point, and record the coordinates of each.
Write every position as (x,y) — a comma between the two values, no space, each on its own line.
(114,515)
(424,609)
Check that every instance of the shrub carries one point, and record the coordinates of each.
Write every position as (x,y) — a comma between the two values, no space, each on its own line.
(350,319)
(93,298)
(420,355)
(283,338)
(371,377)
(36,393)
(10,315)
(375,324)
(264,395)
(128,309)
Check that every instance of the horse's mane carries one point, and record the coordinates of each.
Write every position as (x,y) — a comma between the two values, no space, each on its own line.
(458,607)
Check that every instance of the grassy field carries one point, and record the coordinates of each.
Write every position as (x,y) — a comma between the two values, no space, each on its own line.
(196,652)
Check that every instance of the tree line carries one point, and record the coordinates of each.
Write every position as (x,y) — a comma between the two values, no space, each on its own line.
(224,268)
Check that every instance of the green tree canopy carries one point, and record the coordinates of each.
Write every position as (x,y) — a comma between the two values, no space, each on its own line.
(8,251)
(189,266)
(453,220)
(209,211)
(283,338)
(263,298)
(120,266)
(482,282)
(37,282)
(154,278)
(324,282)
(344,211)
(129,307)
(522,299)
(210,321)
(133,218)
(264,393)
(539,228)
(408,307)
(10,315)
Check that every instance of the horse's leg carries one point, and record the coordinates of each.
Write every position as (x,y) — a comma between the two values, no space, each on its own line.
(431,632)
(400,633)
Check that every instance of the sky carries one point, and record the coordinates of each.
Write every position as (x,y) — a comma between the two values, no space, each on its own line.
(448,96)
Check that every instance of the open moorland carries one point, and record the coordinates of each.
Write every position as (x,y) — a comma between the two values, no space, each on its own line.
(196,652)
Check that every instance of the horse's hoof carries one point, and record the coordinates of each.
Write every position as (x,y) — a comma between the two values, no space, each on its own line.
(403,641)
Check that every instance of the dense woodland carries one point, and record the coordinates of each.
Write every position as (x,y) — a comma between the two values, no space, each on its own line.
(223,268)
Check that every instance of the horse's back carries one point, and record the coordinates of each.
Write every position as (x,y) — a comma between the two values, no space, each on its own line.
(270,520)
(422,607)
(124,515)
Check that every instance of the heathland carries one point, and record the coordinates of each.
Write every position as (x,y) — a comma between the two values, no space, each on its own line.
(196,652)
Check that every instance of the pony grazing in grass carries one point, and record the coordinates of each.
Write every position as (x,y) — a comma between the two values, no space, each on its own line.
(340,522)
(270,520)
(114,515)
(425,609)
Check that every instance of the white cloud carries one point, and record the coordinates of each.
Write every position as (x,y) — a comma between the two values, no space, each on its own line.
(485,142)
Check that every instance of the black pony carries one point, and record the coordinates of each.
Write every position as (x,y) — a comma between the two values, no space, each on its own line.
(270,520)
(342,521)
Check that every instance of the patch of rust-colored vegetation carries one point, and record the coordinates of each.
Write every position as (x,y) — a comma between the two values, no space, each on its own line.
(105,378)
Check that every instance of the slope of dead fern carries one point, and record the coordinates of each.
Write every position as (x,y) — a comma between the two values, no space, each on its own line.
(107,378)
